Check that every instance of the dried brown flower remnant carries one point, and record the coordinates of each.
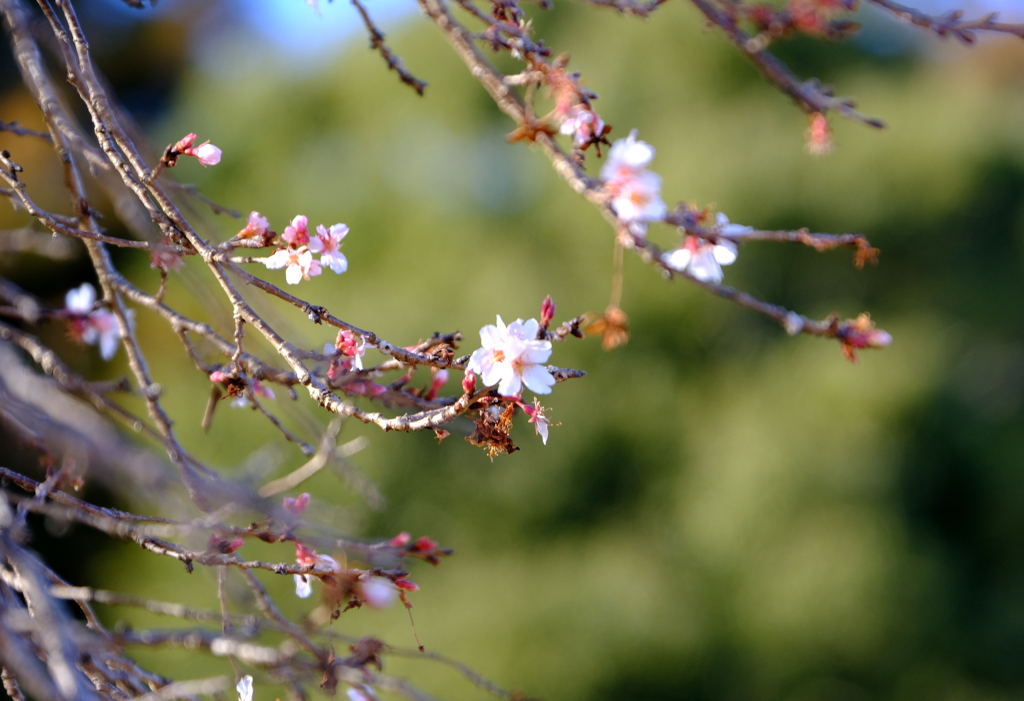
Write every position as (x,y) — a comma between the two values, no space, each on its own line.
(492,431)
(613,327)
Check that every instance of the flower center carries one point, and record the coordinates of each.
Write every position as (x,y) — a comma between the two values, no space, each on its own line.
(499,356)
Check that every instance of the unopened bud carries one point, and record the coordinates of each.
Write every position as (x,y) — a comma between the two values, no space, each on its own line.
(547,311)
(469,382)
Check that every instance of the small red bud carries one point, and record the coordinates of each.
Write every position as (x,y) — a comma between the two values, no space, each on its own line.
(400,540)
(547,311)
(469,382)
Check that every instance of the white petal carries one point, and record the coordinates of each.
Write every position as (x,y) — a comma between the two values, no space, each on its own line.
(109,341)
(335,261)
(511,384)
(244,689)
(536,352)
(725,252)
(279,259)
(302,588)
(81,298)
(703,266)
(293,275)
(530,329)
(542,430)
(677,260)
(538,379)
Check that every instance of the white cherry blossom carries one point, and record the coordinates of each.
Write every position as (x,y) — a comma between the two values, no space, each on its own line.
(701,258)
(298,261)
(635,190)
(94,327)
(328,244)
(583,125)
(303,590)
(511,357)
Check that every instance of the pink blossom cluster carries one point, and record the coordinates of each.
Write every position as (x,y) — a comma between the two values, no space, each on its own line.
(346,353)
(92,326)
(298,256)
(635,190)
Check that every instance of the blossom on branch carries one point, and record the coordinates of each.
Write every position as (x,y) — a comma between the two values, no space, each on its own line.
(92,326)
(207,153)
(328,245)
(297,233)
(511,357)
(537,418)
(635,191)
(584,125)
(257,226)
(298,261)
(701,258)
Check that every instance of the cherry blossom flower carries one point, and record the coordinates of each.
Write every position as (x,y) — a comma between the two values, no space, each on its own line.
(351,352)
(244,689)
(305,556)
(584,125)
(701,258)
(256,226)
(299,262)
(297,233)
(328,245)
(93,326)
(207,153)
(511,357)
(635,191)
(537,418)
(627,158)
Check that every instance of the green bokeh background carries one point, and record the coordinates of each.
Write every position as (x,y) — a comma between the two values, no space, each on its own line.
(725,512)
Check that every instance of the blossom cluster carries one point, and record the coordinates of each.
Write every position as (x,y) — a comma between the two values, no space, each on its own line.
(297,257)
(94,327)
(206,153)
(635,190)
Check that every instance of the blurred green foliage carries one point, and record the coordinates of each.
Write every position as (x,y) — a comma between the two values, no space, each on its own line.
(725,512)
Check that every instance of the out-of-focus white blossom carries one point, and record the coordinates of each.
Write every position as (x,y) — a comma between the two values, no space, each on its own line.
(303,590)
(635,191)
(701,258)
(511,356)
(726,228)
(244,688)
(378,592)
(94,327)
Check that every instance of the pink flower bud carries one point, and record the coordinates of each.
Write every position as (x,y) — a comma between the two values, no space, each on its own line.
(297,505)
(186,142)
(440,377)
(218,376)
(819,135)
(425,544)
(469,382)
(207,153)
(400,540)
(303,555)
(234,545)
(547,311)
(406,584)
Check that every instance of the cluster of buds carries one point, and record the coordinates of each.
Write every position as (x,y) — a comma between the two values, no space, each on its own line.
(297,257)
(635,191)
(424,548)
(346,353)
(703,258)
(94,327)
